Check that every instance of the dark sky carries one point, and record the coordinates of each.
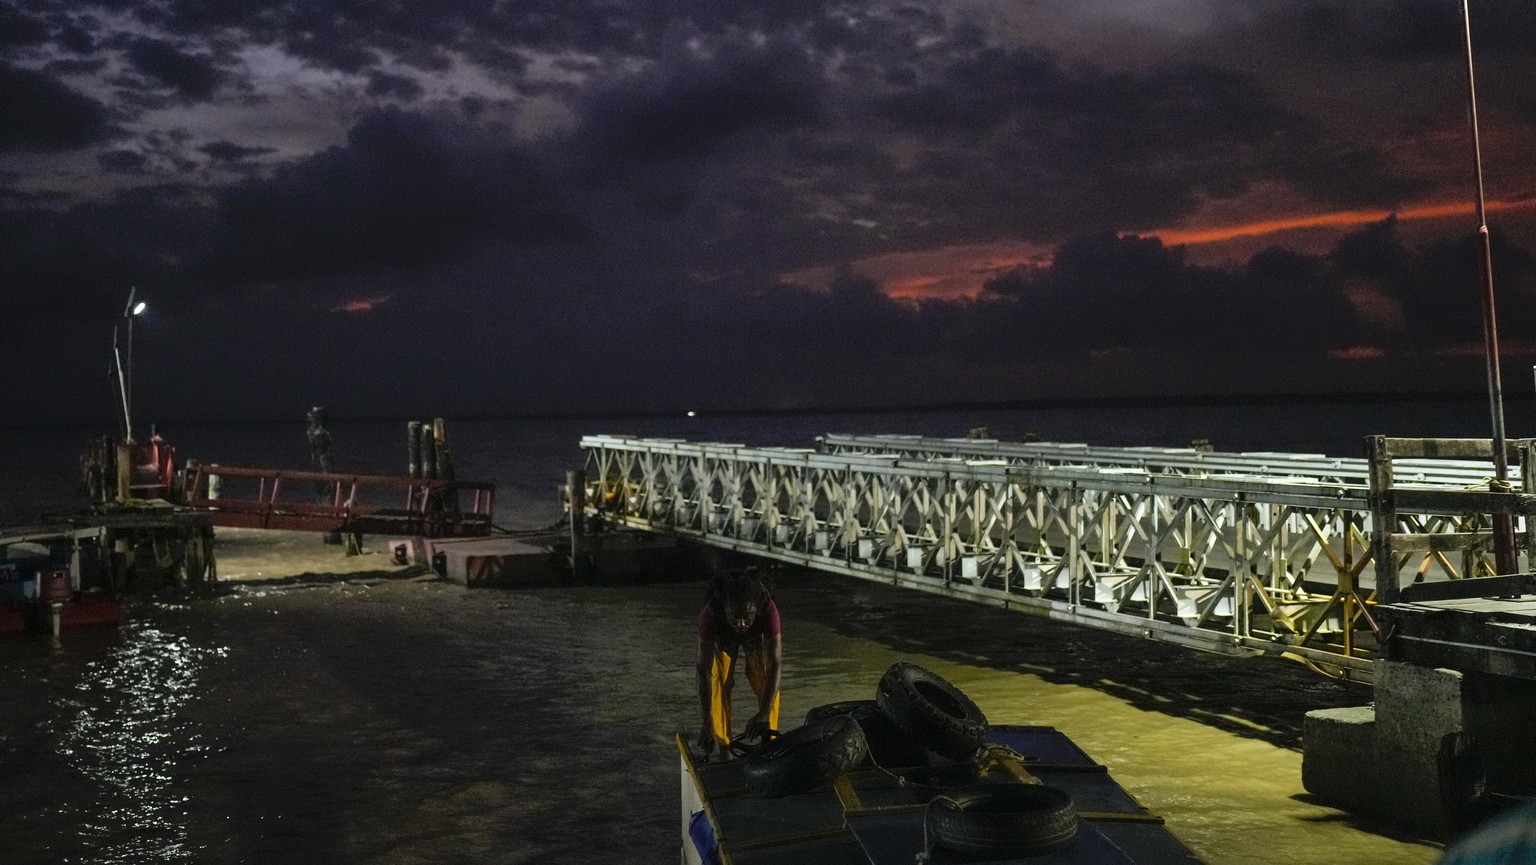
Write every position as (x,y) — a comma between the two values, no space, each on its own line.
(509,206)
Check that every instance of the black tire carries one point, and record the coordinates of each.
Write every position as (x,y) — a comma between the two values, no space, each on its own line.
(889,746)
(1002,820)
(931,711)
(805,757)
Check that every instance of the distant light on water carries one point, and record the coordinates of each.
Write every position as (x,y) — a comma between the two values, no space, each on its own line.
(691,413)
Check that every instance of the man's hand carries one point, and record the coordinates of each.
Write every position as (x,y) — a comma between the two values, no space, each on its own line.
(757,726)
(706,741)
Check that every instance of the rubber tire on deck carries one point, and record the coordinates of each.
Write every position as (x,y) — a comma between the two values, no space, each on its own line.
(931,710)
(805,757)
(1002,820)
(889,746)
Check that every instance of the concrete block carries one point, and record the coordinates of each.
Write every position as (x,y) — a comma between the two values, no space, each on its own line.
(915,557)
(1408,790)
(485,562)
(1338,756)
(1031,579)
(1417,706)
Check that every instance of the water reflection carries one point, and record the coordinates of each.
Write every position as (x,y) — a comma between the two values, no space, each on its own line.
(127,732)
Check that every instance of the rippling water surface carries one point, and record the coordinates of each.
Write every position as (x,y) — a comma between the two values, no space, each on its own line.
(413,721)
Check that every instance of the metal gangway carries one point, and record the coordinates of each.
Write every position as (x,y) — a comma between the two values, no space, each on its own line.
(1239,553)
(296,500)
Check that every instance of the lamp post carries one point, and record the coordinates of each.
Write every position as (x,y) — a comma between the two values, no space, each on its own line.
(125,368)
(1505,556)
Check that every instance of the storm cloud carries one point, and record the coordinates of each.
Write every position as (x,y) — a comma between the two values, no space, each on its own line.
(41,113)
(698,180)
(403,189)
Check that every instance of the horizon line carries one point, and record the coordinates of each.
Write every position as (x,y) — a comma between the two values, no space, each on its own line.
(704,413)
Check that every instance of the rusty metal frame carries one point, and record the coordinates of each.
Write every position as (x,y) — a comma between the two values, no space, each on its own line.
(421,512)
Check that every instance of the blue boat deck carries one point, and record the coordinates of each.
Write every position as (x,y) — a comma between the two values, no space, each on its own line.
(869,817)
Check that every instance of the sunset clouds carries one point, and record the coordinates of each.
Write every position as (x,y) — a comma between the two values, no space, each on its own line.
(739,198)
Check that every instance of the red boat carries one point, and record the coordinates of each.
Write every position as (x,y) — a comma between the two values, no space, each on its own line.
(39,595)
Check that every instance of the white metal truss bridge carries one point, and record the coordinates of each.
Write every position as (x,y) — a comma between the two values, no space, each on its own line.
(1240,553)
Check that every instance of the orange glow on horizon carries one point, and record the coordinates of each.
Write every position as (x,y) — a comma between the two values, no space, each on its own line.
(1337,219)
(962,270)
(362,305)
(941,272)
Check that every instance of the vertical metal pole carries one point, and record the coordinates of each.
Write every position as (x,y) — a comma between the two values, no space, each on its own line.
(1504,553)
(1347,579)
(128,372)
(122,387)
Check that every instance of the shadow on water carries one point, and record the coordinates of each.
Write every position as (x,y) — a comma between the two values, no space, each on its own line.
(1355,821)
(1260,698)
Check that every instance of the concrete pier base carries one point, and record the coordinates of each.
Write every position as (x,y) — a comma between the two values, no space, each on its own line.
(488,562)
(630,555)
(1332,767)
(1429,753)
(1382,761)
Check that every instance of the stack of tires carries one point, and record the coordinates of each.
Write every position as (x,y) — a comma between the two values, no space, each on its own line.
(918,722)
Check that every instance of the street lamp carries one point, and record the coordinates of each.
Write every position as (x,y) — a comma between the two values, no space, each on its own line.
(1505,555)
(131,310)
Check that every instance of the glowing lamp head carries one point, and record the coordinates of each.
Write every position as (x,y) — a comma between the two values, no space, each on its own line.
(138,308)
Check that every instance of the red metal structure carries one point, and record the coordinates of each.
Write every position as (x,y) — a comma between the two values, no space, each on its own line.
(338,502)
(113,469)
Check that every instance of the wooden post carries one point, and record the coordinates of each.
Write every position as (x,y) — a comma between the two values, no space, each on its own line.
(1383,518)
(445,464)
(433,503)
(123,460)
(413,447)
(576,492)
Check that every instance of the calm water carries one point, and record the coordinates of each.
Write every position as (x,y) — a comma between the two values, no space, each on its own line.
(411,721)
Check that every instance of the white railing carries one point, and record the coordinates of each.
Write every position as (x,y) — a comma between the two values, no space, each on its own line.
(1237,553)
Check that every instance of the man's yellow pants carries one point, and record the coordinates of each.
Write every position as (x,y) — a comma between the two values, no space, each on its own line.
(720,689)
